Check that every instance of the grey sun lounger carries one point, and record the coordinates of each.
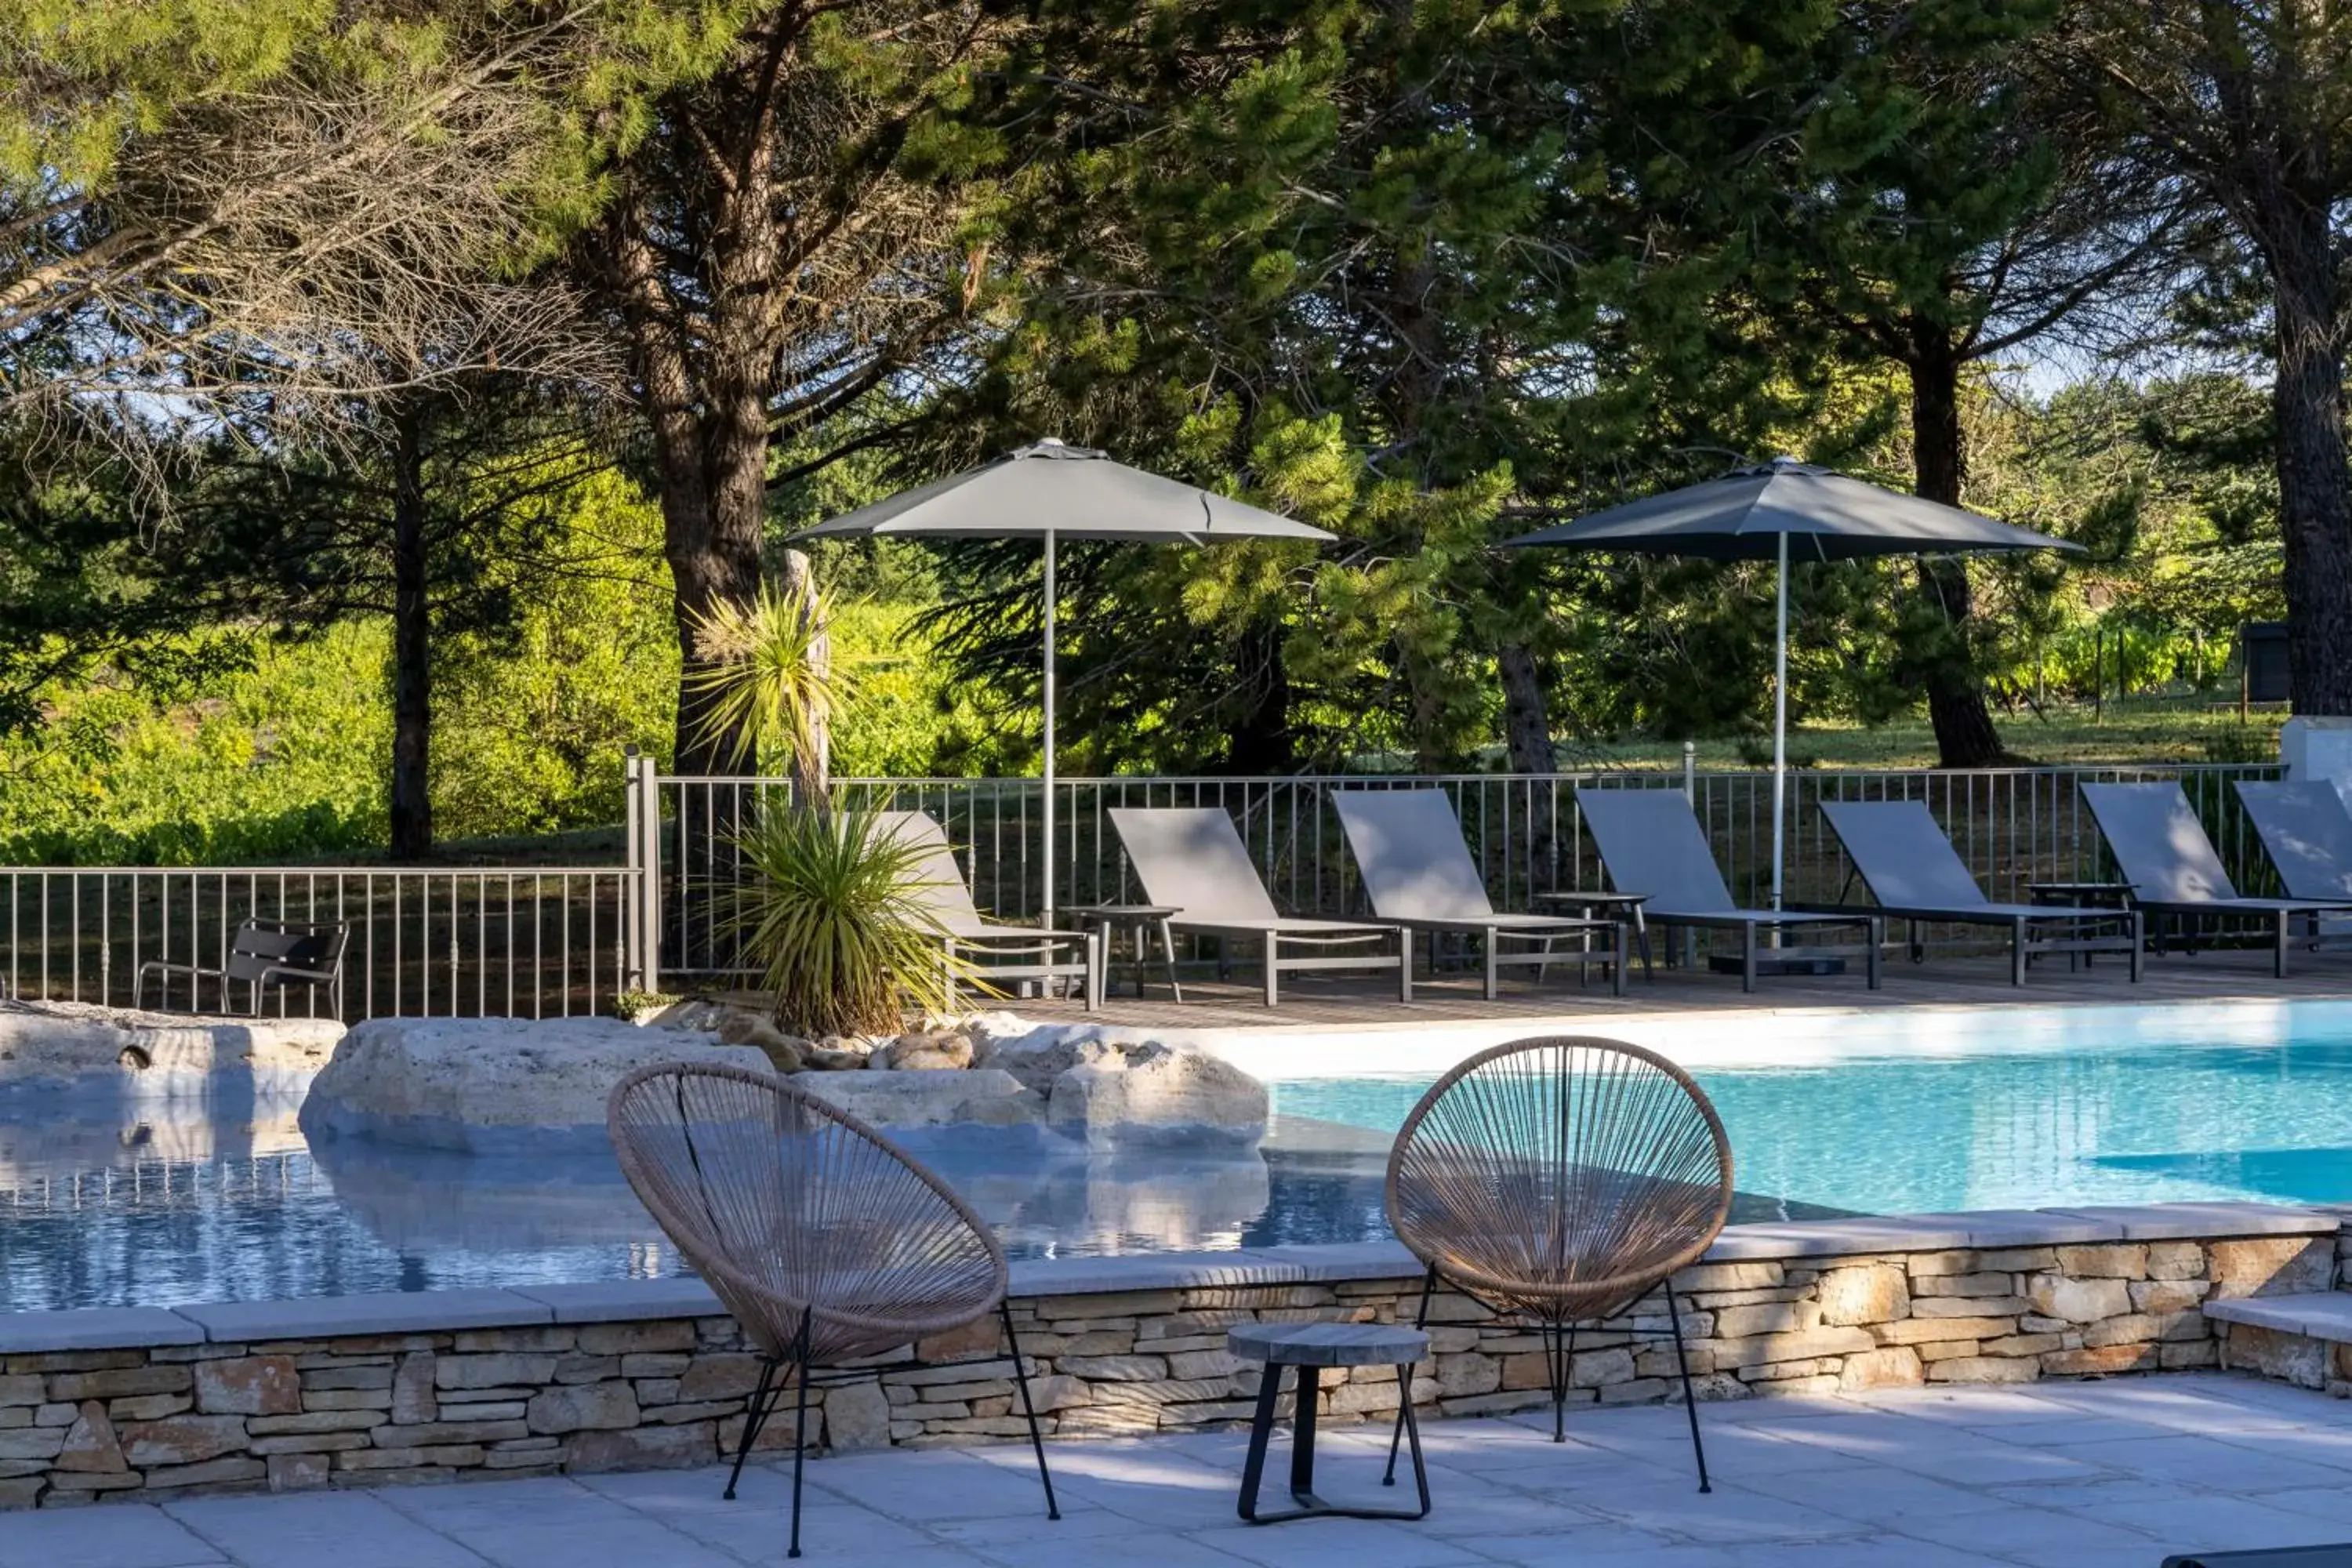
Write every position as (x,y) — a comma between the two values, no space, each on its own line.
(2307,832)
(1913,874)
(1191,859)
(1408,845)
(2161,849)
(1651,845)
(1034,954)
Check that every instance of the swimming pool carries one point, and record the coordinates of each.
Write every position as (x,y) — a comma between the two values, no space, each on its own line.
(1882,1112)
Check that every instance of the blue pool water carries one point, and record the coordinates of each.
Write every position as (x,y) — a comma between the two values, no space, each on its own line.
(1914,1111)
(1890,1135)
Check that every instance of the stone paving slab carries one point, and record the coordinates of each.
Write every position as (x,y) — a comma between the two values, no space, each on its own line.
(96,1329)
(393,1312)
(2104,1475)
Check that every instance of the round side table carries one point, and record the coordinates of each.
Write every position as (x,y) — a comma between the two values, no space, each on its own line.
(1309,1348)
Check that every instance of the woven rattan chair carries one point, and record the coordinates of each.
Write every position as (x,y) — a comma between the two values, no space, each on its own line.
(828,1242)
(1558,1182)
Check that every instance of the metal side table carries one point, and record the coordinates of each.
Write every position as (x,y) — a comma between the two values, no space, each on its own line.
(1143,921)
(1309,1348)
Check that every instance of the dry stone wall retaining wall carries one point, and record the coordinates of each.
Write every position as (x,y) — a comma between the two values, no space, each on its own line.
(364,1409)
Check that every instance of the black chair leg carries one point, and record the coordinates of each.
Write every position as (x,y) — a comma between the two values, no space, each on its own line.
(755,1416)
(1404,1406)
(1690,1400)
(1563,1358)
(1021,1379)
(799,1429)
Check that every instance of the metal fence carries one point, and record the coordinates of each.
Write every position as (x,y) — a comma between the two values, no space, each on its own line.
(2011,826)
(515,942)
(534,942)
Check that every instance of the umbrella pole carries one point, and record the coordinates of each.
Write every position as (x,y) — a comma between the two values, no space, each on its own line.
(1047,913)
(1779,710)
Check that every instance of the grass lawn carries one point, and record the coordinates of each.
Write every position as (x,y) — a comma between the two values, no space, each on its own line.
(2156,729)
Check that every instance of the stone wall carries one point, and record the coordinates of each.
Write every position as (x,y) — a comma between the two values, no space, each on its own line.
(278,1411)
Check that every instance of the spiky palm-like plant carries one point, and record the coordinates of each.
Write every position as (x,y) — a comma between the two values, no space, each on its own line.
(831,902)
(772,684)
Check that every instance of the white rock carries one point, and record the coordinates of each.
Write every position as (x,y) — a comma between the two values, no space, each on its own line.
(1156,1094)
(490,1086)
(75,1047)
(983,1097)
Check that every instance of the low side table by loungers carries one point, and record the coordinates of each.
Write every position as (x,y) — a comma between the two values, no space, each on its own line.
(1142,922)
(1308,1348)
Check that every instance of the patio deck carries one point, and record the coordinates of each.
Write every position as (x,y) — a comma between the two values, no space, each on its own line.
(1943,981)
(2079,1475)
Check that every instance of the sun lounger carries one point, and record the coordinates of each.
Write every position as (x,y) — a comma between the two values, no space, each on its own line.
(1913,874)
(1191,859)
(2162,850)
(1408,845)
(987,944)
(2307,832)
(1651,845)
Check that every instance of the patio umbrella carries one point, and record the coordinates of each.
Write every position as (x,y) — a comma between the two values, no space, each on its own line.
(1054,491)
(1781,508)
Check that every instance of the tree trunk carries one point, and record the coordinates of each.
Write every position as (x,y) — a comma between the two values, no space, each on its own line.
(1527,718)
(1260,740)
(411,647)
(811,770)
(2315,485)
(1965,736)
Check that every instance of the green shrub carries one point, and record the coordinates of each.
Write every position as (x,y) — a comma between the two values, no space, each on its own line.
(831,907)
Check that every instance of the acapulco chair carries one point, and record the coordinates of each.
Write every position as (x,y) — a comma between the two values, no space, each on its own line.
(827,1242)
(1558,1182)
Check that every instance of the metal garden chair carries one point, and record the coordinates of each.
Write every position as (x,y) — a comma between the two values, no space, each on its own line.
(827,1242)
(263,955)
(1559,1181)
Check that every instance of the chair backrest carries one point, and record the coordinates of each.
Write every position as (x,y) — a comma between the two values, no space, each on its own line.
(1191,858)
(1560,1176)
(2307,832)
(942,888)
(258,945)
(1901,855)
(1408,845)
(2157,842)
(801,1217)
(1651,842)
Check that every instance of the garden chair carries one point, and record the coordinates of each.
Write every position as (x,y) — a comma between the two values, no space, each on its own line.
(1191,859)
(827,1242)
(966,935)
(1558,1182)
(1652,844)
(264,955)
(2162,850)
(1417,872)
(1913,874)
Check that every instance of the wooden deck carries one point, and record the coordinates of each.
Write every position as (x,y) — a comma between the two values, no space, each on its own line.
(1942,981)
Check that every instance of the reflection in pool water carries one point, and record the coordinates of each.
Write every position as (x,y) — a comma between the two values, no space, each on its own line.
(166,1203)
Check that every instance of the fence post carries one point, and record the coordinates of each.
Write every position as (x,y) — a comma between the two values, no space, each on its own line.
(1690,773)
(642,790)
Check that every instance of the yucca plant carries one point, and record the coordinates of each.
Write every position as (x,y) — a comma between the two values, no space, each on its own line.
(831,904)
(772,683)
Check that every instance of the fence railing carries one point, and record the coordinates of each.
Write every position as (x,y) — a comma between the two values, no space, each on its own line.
(516,941)
(2011,826)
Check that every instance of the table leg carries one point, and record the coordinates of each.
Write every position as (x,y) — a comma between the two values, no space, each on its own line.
(1302,1436)
(1269,1389)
